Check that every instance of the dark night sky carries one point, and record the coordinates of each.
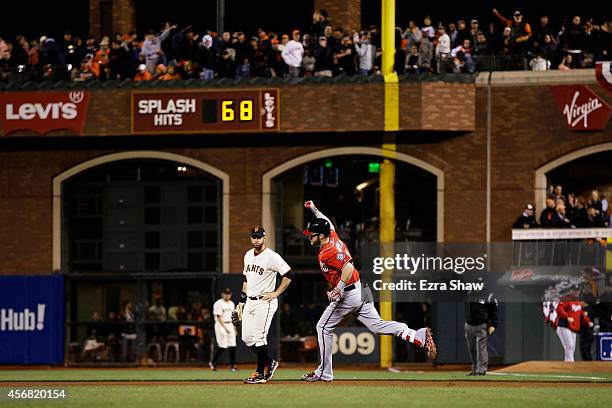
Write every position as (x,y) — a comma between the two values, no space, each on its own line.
(39,17)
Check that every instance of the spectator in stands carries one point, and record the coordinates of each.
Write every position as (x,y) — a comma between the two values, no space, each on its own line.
(346,57)
(592,219)
(567,63)
(151,49)
(412,34)
(548,214)
(452,34)
(557,193)
(462,58)
(319,21)
(84,73)
(288,324)
(308,63)
(540,33)
(128,331)
(462,34)
(595,202)
(324,58)
(157,311)
(442,48)
(90,46)
(119,61)
(427,29)
(527,219)
(142,74)
(573,40)
(560,220)
(293,55)
(474,30)
(481,46)
(521,30)
(225,66)
(170,74)
(5,51)
(425,52)
(366,52)
(412,60)
(206,58)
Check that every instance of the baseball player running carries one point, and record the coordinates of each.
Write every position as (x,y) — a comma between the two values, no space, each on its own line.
(258,302)
(336,264)
(225,332)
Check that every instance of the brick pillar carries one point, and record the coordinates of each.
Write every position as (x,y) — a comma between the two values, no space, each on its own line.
(94,17)
(124,16)
(342,13)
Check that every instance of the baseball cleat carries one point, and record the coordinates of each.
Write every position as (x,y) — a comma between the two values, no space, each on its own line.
(424,339)
(255,378)
(430,345)
(269,371)
(212,366)
(234,368)
(313,377)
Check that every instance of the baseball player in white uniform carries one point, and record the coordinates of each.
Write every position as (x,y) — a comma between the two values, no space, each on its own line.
(225,332)
(258,301)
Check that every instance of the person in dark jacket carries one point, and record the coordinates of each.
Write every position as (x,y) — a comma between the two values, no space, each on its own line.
(120,62)
(480,323)
(548,214)
(526,219)
(324,58)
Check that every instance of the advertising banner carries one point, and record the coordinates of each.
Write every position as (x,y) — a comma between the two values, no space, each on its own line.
(43,112)
(582,109)
(32,319)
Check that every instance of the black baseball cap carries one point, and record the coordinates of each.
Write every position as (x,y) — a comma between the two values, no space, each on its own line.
(258,232)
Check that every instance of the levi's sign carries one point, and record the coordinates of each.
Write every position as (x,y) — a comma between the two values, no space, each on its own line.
(254,110)
(581,108)
(43,112)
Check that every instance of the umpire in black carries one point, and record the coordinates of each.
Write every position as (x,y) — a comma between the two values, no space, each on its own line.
(480,323)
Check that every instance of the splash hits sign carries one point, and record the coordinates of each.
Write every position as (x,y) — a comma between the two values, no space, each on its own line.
(581,108)
(43,112)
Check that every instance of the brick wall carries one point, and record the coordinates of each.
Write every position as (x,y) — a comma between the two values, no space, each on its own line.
(527,132)
(342,13)
(124,17)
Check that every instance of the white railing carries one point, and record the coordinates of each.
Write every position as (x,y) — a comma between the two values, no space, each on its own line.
(565,233)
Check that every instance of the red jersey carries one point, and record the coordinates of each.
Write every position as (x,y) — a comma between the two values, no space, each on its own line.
(572,309)
(332,258)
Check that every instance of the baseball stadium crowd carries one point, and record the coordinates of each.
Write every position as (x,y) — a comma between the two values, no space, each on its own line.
(321,50)
(571,211)
(180,333)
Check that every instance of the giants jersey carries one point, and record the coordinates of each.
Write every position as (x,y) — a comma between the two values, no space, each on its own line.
(224,310)
(261,269)
(332,258)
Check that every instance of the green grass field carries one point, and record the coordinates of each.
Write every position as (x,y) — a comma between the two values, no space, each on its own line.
(351,388)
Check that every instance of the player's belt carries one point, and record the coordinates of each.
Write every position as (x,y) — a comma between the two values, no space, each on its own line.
(350,287)
(256,297)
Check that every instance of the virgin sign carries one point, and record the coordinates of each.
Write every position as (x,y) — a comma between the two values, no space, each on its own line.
(581,108)
(43,112)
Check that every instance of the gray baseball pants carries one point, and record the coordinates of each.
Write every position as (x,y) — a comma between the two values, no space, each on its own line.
(367,314)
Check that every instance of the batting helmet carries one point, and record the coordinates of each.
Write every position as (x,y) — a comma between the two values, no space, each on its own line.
(318,226)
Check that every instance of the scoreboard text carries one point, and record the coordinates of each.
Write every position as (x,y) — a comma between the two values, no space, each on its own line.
(205,111)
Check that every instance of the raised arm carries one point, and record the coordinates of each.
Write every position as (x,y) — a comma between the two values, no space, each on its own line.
(315,211)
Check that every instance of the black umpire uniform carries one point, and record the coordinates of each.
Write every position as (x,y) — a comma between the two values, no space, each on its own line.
(480,317)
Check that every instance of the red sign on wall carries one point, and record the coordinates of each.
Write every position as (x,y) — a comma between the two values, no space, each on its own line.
(581,108)
(43,112)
